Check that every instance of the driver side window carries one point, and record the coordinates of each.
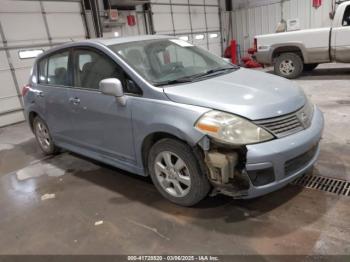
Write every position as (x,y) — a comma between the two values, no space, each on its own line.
(346,19)
(91,67)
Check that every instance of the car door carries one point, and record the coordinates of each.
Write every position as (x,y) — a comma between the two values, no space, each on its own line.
(100,124)
(341,44)
(51,93)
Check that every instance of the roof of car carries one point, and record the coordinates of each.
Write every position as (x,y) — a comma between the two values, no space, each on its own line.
(104,41)
(120,40)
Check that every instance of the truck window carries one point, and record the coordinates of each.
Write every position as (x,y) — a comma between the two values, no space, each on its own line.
(346,19)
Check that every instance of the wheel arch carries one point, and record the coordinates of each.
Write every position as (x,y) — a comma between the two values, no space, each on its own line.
(152,138)
(31,116)
(291,48)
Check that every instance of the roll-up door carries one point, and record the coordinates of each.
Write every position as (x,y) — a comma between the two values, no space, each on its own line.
(197,21)
(26,29)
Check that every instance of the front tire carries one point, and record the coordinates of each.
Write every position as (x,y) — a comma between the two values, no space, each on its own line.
(43,137)
(176,173)
(288,65)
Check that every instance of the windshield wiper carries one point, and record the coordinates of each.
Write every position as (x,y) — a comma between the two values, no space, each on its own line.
(175,81)
(214,71)
(192,78)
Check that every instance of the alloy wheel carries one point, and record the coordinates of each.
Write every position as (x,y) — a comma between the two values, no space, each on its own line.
(43,135)
(172,174)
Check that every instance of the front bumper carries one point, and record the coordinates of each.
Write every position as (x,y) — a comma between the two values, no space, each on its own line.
(275,154)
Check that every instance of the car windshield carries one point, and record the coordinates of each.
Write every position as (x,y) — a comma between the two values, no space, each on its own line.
(170,61)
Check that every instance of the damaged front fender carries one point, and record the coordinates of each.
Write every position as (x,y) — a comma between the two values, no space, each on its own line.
(225,168)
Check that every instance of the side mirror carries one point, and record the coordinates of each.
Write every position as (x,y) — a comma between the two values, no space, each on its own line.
(113,87)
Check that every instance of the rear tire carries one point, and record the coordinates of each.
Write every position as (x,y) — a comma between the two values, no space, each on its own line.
(176,172)
(288,65)
(43,137)
(309,67)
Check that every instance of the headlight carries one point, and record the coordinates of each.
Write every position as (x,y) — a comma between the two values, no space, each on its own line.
(305,115)
(231,129)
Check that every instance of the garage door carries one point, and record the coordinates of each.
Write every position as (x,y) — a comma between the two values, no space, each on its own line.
(197,21)
(27,28)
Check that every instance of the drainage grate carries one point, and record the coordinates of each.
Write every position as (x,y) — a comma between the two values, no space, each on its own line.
(327,184)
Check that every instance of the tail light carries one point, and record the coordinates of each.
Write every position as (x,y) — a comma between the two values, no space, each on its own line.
(25,90)
(255,45)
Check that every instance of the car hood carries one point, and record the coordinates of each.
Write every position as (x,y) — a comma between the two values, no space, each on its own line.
(248,93)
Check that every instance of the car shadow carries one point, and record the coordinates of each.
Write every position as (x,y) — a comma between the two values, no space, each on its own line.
(323,74)
(273,215)
(219,213)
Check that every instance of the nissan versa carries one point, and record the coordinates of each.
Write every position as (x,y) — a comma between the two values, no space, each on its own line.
(159,106)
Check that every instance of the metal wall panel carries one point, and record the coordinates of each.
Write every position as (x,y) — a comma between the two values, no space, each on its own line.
(30,25)
(23,26)
(61,16)
(10,118)
(7,86)
(211,2)
(162,21)
(19,6)
(213,17)
(124,29)
(254,17)
(62,7)
(181,16)
(59,22)
(141,25)
(9,101)
(248,22)
(215,44)
(198,18)
(197,2)
(3,61)
(189,18)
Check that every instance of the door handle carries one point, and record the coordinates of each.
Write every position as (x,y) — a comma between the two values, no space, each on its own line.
(74,100)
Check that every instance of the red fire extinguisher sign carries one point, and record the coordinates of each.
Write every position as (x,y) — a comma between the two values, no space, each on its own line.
(316,3)
(131,20)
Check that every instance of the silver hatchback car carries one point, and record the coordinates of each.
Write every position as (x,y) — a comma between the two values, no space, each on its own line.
(159,106)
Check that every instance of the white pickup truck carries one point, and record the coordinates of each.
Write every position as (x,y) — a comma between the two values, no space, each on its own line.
(291,53)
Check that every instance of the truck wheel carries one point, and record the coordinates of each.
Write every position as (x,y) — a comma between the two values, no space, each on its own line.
(43,137)
(288,65)
(309,67)
(176,173)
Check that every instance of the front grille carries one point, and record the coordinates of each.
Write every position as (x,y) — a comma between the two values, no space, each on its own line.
(295,164)
(282,126)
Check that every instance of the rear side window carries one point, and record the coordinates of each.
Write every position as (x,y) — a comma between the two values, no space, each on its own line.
(42,70)
(58,69)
